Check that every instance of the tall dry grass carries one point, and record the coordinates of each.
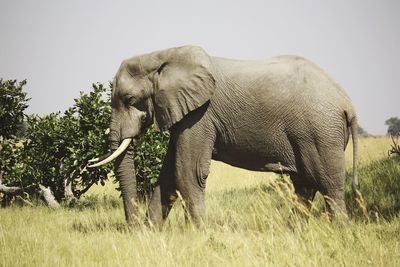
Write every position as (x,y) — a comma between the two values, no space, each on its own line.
(253,219)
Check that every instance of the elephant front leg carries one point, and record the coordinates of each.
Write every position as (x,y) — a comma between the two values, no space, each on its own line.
(194,203)
(193,159)
(185,170)
(164,194)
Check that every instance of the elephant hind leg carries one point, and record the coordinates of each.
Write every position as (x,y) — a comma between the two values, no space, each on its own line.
(322,166)
(332,181)
(329,173)
(334,196)
(304,191)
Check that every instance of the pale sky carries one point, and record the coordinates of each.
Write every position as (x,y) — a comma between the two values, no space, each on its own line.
(62,47)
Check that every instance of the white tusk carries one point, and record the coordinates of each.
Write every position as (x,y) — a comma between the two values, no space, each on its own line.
(99,158)
(93,160)
(125,143)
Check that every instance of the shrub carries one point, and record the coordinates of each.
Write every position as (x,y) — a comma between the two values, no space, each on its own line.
(55,149)
(379,187)
(362,132)
(395,147)
(150,149)
(13,102)
(393,124)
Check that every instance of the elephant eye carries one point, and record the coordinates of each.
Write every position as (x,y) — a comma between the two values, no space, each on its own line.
(130,100)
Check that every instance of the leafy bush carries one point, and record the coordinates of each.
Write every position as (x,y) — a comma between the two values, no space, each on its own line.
(13,102)
(150,149)
(55,148)
(395,147)
(379,187)
(11,164)
(362,132)
(393,124)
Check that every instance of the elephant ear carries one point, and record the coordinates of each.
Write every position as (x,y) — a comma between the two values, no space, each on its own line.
(182,83)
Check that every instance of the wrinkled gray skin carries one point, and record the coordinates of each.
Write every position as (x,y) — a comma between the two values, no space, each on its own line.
(282,115)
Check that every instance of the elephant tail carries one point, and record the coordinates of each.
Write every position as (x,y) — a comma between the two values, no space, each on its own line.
(354,134)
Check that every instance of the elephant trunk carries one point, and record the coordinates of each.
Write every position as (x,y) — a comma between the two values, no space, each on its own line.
(125,173)
(124,126)
(124,170)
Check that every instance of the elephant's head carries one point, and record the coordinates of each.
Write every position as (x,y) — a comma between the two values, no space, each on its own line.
(162,87)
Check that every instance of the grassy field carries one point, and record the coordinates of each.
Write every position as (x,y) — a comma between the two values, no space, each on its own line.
(250,222)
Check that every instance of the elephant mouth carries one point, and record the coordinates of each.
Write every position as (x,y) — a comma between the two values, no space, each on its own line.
(96,162)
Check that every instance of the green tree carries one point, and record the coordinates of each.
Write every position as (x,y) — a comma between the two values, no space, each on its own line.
(393,124)
(13,102)
(54,151)
(362,132)
(55,148)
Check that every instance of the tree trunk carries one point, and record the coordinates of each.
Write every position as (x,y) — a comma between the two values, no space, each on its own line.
(70,198)
(10,190)
(49,197)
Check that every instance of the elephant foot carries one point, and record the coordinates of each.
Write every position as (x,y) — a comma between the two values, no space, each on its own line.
(336,208)
(131,213)
(159,207)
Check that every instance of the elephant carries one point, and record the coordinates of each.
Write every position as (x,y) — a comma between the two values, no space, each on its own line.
(283,115)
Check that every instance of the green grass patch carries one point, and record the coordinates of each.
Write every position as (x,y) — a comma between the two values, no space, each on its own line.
(379,188)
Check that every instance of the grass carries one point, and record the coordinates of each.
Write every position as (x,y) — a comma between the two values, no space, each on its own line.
(250,222)
(369,150)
